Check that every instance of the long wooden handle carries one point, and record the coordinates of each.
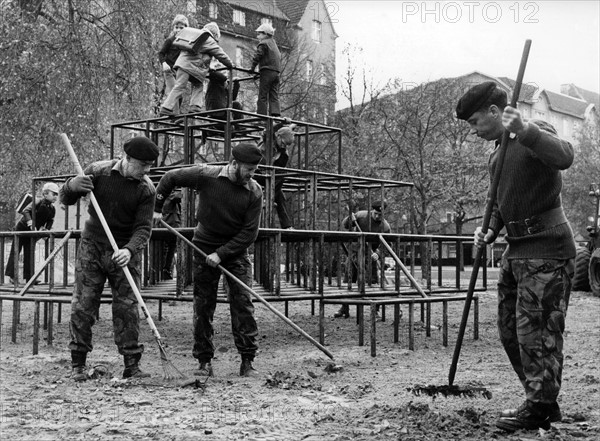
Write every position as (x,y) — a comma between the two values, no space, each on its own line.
(54,252)
(114,245)
(405,270)
(251,291)
(487,216)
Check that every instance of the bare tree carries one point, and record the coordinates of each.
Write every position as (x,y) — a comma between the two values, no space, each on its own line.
(74,67)
(584,171)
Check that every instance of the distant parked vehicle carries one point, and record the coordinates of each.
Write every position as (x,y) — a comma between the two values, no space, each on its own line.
(587,262)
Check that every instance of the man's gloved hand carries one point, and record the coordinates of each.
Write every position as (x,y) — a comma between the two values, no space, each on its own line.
(375,256)
(166,67)
(81,184)
(30,223)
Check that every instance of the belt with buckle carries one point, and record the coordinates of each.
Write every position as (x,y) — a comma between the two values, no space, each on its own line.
(536,224)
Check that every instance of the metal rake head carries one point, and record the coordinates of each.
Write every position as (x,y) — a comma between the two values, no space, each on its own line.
(446,391)
(170,372)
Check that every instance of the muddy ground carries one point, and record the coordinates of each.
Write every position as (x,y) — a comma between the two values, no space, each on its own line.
(295,396)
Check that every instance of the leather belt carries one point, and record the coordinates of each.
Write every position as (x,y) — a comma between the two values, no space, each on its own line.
(536,224)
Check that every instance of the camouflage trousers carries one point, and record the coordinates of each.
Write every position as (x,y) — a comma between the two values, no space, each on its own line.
(243,324)
(93,267)
(533,296)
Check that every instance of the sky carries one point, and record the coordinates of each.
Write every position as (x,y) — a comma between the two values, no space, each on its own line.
(417,41)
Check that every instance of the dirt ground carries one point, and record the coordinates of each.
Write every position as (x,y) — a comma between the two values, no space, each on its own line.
(296,396)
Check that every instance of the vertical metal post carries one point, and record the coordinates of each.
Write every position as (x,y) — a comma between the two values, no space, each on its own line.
(49,335)
(445,323)
(36,326)
(411,335)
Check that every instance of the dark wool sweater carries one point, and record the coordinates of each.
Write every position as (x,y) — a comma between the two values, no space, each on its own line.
(362,219)
(530,185)
(168,53)
(228,214)
(44,215)
(217,95)
(267,55)
(127,205)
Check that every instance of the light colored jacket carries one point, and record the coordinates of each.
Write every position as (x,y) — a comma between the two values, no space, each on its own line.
(197,64)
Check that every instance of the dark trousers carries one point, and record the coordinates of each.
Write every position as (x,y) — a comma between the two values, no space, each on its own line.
(280,201)
(281,205)
(25,244)
(268,93)
(169,247)
(243,324)
(372,277)
(220,128)
(533,296)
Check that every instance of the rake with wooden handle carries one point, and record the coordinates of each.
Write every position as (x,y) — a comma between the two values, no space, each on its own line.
(169,369)
(251,291)
(450,388)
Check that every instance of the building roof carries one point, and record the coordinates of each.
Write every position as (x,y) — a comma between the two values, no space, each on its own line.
(294,9)
(265,7)
(578,92)
(528,91)
(566,104)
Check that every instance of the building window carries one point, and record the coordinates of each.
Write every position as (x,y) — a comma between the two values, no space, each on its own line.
(266,20)
(239,56)
(565,128)
(325,116)
(239,17)
(451,251)
(191,7)
(323,77)
(213,10)
(316,31)
(309,69)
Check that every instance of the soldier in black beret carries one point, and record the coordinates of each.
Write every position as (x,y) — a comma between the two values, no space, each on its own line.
(228,217)
(379,206)
(247,152)
(370,221)
(141,148)
(479,97)
(534,283)
(126,198)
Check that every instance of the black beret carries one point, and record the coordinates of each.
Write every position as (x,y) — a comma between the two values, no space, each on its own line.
(247,152)
(378,204)
(474,98)
(141,148)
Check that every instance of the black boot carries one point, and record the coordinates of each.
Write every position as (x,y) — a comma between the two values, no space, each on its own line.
(205,369)
(246,369)
(531,416)
(132,367)
(78,372)
(344,311)
(552,410)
